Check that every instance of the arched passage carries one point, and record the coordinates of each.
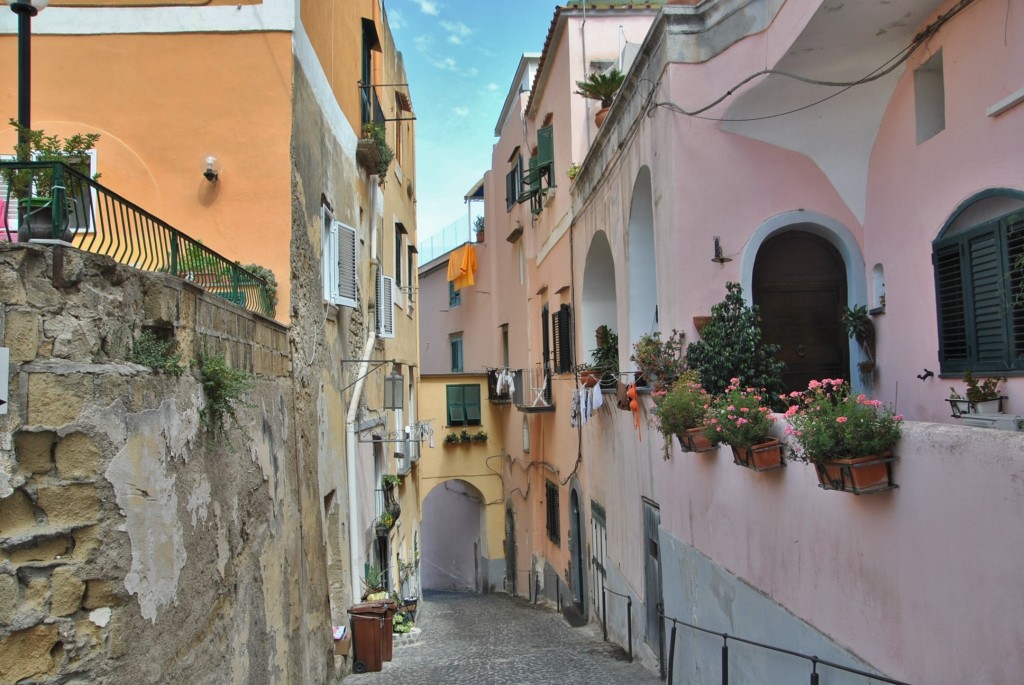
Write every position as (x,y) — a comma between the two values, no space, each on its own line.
(454,537)
(598,301)
(643,277)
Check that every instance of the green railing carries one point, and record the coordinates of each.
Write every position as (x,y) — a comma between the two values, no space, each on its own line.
(51,200)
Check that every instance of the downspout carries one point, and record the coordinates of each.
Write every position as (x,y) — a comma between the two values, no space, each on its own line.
(350,420)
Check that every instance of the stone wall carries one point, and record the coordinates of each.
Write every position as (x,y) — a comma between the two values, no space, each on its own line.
(137,545)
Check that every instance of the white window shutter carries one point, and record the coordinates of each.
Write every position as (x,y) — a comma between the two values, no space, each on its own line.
(385,306)
(347,283)
(328,274)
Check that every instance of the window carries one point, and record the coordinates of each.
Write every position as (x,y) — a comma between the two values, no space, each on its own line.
(454,296)
(338,260)
(455,343)
(399,255)
(513,182)
(545,342)
(561,326)
(551,498)
(929,98)
(978,260)
(385,306)
(412,273)
(542,166)
(463,405)
(504,345)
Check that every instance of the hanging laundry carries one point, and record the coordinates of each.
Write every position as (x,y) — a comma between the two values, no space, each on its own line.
(598,398)
(574,414)
(461,266)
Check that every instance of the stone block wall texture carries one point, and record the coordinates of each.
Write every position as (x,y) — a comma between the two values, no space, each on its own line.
(137,545)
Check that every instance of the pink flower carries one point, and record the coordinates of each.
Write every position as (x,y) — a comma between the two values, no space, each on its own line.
(814,384)
(792,410)
(898,417)
(841,419)
(740,422)
(731,407)
(744,408)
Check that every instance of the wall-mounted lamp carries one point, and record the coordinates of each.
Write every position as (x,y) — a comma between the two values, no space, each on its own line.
(719,256)
(394,386)
(211,171)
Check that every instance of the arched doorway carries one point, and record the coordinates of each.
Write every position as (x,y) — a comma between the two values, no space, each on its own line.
(799,284)
(576,551)
(453,537)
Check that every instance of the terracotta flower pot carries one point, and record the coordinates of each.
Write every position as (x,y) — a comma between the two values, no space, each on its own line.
(600,116)
(859,475)
(589,378)
(694,440)
(761,457)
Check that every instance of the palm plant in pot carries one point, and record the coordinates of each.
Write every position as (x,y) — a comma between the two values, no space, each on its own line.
(848,438)
(601,87)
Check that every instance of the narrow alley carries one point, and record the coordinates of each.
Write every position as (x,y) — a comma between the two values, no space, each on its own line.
(480,639)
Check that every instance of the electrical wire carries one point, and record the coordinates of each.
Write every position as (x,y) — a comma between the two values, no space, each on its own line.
(879,72)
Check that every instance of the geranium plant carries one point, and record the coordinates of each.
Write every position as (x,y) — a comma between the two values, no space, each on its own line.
(739,416)
(660,361)
(683,406)
(827,422)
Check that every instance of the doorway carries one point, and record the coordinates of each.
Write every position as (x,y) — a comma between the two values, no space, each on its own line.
(576,551)
(652,574)
(801,308)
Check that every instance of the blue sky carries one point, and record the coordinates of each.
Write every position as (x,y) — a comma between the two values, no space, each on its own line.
(460,58)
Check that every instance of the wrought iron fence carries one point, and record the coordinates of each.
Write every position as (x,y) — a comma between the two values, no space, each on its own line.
(51,200)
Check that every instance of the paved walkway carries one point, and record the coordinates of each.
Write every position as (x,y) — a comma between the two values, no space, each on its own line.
(484,639)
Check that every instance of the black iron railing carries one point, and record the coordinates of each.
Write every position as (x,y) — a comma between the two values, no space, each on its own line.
(50,200)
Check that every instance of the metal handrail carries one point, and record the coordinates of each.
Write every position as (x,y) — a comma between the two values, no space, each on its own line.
(814,660)
(93,218)
(629,616)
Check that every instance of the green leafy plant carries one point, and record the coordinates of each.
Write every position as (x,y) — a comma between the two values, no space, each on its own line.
(740,416)
(604,359)
(390,479)
(480,436)
(452,439)
(732,347)
(465,436)
(983,389)
(373,580)
(224,388)
(268,276)
(159,354)
(573,171)
(681,407)
(660,361)
(601,87)
(401,623)
(861,328)
(826,423)
(377,134)
(479,224)
(34,145)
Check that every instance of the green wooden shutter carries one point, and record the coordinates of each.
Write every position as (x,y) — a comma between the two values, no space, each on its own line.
(1015,270)
(456,410)
(471,401)
(988,298)
(546,145)
(953,351)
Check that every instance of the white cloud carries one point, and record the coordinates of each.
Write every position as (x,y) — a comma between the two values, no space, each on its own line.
(447,64)
(395,20)
(493,87)
(461,111)
(457,31)
(428,7)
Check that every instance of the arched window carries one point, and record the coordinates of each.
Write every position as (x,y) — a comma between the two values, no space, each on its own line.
(979,285)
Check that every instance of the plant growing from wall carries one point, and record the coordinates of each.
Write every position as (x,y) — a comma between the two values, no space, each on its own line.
(224,388)
(158,354)
(732,348)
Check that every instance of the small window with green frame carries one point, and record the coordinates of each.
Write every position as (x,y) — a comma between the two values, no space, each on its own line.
(463,404)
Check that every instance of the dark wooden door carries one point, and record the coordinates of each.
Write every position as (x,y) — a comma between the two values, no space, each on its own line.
(800,288)
(652,575)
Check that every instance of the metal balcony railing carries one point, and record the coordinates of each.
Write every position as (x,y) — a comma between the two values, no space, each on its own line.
(535,389)
(50,200)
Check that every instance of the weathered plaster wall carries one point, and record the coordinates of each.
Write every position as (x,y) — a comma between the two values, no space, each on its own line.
(136,545)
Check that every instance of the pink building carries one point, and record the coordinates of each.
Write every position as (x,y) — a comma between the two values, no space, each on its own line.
(823,155)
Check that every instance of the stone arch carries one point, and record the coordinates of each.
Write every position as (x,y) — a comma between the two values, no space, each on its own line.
(598,304)
(454,537)
(643,277)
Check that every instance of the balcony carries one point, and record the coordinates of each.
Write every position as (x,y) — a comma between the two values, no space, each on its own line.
(498,391)
(533,394)
(50,201)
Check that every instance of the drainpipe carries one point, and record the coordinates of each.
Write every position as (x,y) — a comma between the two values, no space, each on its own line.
(351,445)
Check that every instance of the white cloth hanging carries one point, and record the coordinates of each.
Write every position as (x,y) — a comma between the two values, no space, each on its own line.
(598,398)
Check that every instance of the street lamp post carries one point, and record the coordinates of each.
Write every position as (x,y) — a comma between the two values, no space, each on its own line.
(25,9)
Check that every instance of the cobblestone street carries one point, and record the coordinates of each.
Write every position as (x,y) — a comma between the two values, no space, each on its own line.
(483,639)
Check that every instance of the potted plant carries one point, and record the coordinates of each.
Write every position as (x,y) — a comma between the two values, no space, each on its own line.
(373,151)
(37,190)
(601,87)
(390,480)
(680,411)
(573,171)
(848,439)
(741,418)
(731,347)
(465,436)
(660,362)
(604,360)
(861,328)
(452,439)
(480,436)
(983,394)
(479,225)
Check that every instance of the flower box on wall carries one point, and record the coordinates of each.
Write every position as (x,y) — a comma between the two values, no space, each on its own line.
(766,456)
(694,440)
(861,475)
